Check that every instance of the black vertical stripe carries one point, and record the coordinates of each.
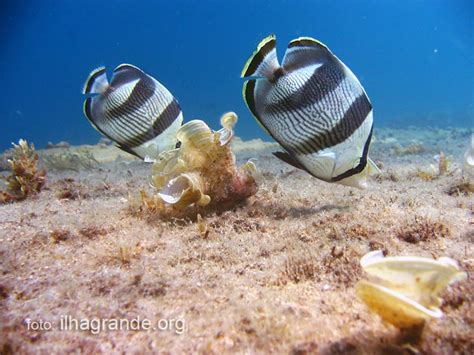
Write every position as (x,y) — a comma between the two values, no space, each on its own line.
(352,120)
(324,80)
(161,123)
(143,90)
(166,118)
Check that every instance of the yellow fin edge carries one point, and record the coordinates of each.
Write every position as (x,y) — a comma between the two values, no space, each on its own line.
(259,47)
(255,117)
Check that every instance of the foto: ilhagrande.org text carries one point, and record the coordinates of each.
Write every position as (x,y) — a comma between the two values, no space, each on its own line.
(97,325)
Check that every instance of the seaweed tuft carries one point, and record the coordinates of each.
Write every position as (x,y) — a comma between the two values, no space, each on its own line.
(199,177)
(422,230)
(26,178)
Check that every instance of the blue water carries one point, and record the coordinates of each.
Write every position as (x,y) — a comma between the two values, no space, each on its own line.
(414,58)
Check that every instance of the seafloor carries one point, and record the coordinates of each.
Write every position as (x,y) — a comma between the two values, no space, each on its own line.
(275,275)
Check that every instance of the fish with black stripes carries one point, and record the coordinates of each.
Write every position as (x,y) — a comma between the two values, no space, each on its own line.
(314,107)
(134,110)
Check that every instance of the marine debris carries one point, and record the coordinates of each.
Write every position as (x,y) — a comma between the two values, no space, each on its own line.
(202,173)
(405,289)
(25,179)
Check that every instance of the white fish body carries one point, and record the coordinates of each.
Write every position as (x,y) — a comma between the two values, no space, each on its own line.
(314,107)
(134,110)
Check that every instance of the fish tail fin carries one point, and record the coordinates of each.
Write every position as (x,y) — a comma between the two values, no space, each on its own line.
(97,82)
(264,61)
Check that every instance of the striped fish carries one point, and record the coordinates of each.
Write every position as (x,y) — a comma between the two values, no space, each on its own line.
(135,111)
(314,107)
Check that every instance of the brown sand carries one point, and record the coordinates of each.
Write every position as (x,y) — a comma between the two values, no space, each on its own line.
(276,275)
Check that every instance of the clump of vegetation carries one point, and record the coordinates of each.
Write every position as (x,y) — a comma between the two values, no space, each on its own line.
(300,268)
(415,148)
(339,266)
(425,176)
(59,235)
(200,176)
(92,232)
(422,230)
(461,188)
(443,169)
(202,226)
(70,190)
(124,253)
(443,164)
(65,159)
(26,178)
(389,175)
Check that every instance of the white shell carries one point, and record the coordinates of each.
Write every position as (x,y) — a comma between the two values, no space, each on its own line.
(225,136)
(175,189)
(184,188)
(196,132)
(416,274)
(406,288)
(393,306)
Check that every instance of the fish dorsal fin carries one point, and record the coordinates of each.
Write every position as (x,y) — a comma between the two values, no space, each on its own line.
(264,61)
(303,52)
(287,158)
(97,82)
(126,73)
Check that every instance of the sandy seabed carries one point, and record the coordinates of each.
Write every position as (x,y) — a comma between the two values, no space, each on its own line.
(275,275)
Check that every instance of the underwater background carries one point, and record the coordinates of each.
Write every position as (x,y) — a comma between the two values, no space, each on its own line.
(414,58)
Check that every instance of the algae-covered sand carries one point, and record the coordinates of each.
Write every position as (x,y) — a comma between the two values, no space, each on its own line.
(276,274)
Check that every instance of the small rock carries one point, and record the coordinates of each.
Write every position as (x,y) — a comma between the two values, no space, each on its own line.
(61,144)
(104,142)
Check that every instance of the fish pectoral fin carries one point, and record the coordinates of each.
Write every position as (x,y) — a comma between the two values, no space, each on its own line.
(323,165)
(373,168)
(287,158)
